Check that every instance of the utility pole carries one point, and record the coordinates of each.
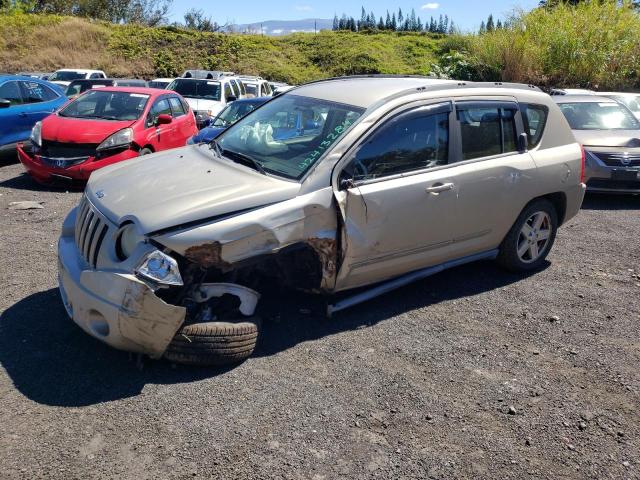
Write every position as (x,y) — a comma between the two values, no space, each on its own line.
(315,27)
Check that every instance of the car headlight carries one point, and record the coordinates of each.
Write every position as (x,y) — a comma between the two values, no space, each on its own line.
(127,239)
(121,138)
(160,268)
(36,134)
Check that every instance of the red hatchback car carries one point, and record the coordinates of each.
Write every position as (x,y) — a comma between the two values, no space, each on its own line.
(105,126)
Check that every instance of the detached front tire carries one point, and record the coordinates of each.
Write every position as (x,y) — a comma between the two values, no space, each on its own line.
(530,239)
(214,343)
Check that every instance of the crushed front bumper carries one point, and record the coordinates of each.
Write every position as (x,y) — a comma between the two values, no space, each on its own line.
(114,307)
(75,174)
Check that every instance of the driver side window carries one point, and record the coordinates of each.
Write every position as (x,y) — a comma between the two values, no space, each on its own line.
(411,141)
(159,107)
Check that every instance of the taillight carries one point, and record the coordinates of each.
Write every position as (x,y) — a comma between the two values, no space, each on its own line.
(583,161)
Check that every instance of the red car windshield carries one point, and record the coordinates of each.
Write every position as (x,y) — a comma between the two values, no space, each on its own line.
(103,105)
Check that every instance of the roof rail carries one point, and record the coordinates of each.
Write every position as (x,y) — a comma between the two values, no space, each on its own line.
(460,84)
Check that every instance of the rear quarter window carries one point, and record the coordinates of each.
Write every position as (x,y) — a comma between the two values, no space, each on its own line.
(535,119)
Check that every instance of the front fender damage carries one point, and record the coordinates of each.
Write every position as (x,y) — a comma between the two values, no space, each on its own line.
(298,237)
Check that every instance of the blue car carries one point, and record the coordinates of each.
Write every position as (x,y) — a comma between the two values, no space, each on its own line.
(227,117)
(23,102)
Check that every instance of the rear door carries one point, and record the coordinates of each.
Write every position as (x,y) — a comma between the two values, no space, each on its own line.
(39,102)
(494,178)
(397,197)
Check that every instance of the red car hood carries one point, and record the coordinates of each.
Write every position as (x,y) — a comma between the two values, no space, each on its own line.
(76,130)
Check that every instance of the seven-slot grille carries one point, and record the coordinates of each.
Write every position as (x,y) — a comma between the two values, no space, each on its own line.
(90,232)
(619,159)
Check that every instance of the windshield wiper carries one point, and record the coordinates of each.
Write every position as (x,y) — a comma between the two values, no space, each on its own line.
(214,145)
(245,159)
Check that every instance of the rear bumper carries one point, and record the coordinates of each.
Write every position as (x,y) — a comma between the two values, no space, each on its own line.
(114,307)
(80,173)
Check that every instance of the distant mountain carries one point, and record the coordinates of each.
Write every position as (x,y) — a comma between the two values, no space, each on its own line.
(285,27)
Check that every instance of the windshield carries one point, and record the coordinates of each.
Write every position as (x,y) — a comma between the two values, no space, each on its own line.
(598,116)
(66,76)
(76,87)
(205,89)
(107,106)
(289,134)
(234,112)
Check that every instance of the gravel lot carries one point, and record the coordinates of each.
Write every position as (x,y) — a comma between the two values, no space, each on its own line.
(473,373)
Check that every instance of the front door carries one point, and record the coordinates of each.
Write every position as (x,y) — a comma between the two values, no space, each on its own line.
(160,137)
(398,198)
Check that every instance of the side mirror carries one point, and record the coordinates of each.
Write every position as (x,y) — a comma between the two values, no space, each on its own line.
(164,119)
(346,183)
(4,103)
(523,142)
(231,98)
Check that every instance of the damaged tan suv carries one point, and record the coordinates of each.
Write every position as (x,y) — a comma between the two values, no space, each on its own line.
(351,182)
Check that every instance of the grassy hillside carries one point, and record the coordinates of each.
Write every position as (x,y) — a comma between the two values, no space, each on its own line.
(595,44)
(45,43)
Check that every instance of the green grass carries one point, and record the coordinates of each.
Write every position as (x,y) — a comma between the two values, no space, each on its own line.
(595,44)
(29,42)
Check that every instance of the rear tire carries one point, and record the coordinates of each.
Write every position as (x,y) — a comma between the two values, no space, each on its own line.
(145,151)
(530,239)
(214,343)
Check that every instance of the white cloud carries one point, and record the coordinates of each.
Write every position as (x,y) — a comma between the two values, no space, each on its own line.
(303,8)
(430,6)
(277,31)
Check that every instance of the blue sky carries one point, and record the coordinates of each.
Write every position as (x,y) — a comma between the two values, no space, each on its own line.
(466,14)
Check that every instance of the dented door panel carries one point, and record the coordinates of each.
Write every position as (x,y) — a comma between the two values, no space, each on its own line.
(394,226)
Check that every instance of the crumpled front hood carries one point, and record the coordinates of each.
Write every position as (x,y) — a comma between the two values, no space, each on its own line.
(608,138)
(56,128)
(179,186)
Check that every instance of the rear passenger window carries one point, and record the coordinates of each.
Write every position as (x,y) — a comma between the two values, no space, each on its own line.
(535,119)
(413,141)
(33,92)
(487,131)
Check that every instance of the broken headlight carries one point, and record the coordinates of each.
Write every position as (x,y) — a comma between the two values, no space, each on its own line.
(160,268)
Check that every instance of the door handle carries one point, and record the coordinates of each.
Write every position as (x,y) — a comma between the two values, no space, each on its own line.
(439,187)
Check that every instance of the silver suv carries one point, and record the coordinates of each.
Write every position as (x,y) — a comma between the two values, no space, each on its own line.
(334,185)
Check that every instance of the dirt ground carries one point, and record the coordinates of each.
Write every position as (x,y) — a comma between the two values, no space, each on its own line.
(473,373)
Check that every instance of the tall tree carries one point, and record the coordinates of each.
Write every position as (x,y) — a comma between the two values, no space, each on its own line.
(490,24)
